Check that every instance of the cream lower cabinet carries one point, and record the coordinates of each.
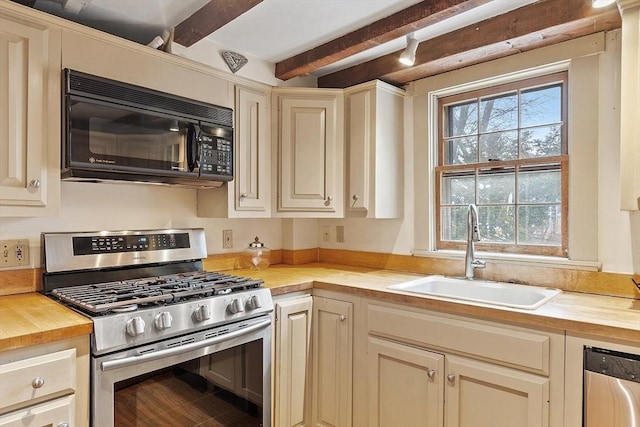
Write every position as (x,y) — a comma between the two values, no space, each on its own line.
(405,385)
(45,385)
(29,117)
(428,369)
(292,362)
(309,130)
(332,362)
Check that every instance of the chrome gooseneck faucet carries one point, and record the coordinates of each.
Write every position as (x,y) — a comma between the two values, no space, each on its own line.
(470,263)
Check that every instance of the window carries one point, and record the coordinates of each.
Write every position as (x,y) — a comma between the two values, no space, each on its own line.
(504,149)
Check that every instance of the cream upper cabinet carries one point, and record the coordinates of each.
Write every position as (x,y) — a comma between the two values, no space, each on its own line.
(29,118)
(292,362)
(310,152)
(332,362)
(374,140)
(249,194)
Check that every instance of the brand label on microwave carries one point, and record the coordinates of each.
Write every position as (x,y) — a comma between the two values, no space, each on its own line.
(94,160)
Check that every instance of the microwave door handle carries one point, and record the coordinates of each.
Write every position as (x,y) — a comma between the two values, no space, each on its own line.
(192,146)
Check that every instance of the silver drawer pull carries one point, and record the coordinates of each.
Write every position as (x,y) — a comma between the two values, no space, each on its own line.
(63,424)
(37,382)
(431,373)
(451,378)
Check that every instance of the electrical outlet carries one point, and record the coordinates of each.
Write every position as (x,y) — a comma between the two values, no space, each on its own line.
(14,253)
(340,233)
(227,239)
(326,234)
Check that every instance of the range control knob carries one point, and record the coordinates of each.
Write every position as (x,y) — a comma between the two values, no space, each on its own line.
(202,313)
(254,302)
(135,326)
(163,320)
(235,306)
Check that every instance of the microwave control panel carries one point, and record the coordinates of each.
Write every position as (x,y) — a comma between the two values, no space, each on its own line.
(216,156)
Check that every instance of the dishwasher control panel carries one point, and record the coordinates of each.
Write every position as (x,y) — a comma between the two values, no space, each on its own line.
(612,363)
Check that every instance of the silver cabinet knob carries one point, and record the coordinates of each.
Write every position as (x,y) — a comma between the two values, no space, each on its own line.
(163,320)
(328,200)
(63,424)
(343,317)
(135,326)
(451,378)
(235,306)
(34,184)
(431,373)
(202,313)
(243,196)
(37,382)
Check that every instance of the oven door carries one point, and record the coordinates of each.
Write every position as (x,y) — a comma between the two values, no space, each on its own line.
(222,376)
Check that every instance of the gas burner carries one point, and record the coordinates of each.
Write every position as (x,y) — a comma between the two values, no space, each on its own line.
(126,308)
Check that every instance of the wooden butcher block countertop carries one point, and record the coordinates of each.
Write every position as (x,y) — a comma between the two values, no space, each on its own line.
(602,316)
(30,319)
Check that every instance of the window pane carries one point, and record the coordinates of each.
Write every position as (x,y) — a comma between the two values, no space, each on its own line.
(462,119)
(542,141)
(496,224)
(539,187)
(499,146)
(540,106)
(499,113)
(540,225)
(461,150)
(458,190)
(498,188)
(454,223)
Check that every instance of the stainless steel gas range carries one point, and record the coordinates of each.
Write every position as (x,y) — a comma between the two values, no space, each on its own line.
(164,328)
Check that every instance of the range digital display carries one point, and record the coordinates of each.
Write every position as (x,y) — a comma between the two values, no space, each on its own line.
(91,245)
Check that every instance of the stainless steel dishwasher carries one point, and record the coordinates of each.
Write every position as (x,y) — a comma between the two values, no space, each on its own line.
(611,388)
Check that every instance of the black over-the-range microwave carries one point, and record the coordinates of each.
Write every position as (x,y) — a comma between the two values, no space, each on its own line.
(118,131)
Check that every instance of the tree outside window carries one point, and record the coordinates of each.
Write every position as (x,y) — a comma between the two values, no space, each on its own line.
(505,149)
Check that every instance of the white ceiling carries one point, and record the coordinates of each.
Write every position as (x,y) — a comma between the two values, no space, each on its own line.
(274,29)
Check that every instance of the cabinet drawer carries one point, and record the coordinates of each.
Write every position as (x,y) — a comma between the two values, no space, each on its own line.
(512,347)
(56,412)
(37,378)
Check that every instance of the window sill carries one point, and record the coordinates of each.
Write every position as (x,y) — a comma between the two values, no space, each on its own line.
(515,259)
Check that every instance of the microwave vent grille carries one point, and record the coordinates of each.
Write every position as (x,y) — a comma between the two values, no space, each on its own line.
(138,97)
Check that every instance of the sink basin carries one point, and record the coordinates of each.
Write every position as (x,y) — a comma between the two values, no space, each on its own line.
(481,291)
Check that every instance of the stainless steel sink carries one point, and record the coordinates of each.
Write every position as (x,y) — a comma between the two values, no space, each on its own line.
(481,291)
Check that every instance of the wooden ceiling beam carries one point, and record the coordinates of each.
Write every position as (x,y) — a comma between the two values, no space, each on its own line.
(530,27)
(399,24)
(209,18)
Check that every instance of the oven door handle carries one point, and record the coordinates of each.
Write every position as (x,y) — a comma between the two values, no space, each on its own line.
(134,360)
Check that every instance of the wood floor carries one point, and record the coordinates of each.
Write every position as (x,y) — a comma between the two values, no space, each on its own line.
(167,400)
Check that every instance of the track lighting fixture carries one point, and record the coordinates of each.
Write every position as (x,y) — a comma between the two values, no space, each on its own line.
(408,57)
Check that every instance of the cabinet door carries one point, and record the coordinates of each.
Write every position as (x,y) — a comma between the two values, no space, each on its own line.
(292,362)
(311,155)
(332,362)
(29,119)
(481,394)
(251,188)
(406,385)
(375,145)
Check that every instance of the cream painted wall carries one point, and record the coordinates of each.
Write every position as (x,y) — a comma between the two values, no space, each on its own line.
(93,207)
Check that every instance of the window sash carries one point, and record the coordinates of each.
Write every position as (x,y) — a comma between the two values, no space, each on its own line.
(516,166)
